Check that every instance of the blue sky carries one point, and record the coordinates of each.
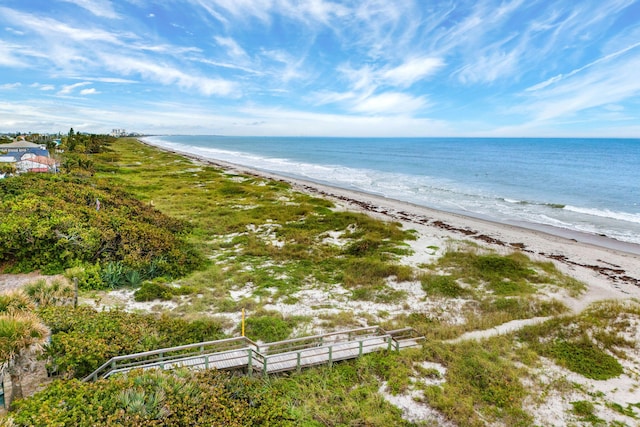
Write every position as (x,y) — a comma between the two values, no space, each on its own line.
(322,67)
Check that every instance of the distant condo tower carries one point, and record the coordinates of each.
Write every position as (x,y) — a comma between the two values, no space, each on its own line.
(118,132)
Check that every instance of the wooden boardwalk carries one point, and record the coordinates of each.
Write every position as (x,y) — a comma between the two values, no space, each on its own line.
(281,356)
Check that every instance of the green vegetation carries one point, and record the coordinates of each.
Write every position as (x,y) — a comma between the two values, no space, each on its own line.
(588,343)
(270,326)
(50,222)
(158,290)
(482,382)
(263,242)
(508,275)
(489,290)
(180,398)
(258,232)
(83,339)
(585,412)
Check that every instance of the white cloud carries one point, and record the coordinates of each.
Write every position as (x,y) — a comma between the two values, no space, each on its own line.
(168,75)
(89,91)
(412,70)
(14,31)
(43,87)
(116,80)
(598,86)
(8,55)
(10,85)
(389,103)
(67,89)
(100,8)
(53,30)
(560,77)
(233,49)
(487,69)
(291,65)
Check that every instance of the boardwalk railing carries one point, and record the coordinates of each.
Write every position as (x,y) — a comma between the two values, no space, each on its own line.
(280,356)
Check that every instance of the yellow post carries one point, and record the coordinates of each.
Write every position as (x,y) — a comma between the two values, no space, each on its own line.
(243,322)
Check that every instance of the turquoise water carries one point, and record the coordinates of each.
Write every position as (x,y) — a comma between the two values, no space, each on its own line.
(586,185)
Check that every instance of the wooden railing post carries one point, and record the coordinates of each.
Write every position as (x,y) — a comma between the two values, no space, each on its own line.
(250,361)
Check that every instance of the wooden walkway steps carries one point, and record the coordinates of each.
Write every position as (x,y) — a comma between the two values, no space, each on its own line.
(280,356)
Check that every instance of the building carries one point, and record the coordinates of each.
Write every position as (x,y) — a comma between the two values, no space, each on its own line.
(26,156)
(21,147)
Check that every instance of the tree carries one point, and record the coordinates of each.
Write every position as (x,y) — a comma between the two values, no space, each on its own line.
(71,140)
(22,335)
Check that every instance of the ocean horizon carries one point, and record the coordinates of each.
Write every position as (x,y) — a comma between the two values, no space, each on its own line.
(585,185)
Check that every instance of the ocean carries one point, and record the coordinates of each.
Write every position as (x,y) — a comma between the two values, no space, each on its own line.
(579,185)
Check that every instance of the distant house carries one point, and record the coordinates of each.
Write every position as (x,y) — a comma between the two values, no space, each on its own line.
(32,163)
(21,147)
(28,157)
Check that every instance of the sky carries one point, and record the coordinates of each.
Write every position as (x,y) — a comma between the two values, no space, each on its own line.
(477,68)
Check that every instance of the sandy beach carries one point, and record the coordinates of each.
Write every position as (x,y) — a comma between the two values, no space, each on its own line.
(610,268)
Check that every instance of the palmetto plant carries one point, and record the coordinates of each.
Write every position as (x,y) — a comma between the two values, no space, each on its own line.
(22,335)
(44,294)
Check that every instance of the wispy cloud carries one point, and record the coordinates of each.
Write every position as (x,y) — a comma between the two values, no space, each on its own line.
(43,87)
(233,49)
(561,77)
(68,89)
(101,8)
(6,86)
(411,71)
(89,91)
(9,55)
(595,86)
(168,75)
(367,93)
(389,103)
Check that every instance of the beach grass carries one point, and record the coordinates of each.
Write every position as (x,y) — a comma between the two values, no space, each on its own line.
(261,232)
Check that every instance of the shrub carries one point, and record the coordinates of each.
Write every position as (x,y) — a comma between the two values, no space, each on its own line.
(89,277)
(267,328)
(51,223)
(443,285)
(585,358)
(155,398)
(83,339)
(44,294)
(150,291)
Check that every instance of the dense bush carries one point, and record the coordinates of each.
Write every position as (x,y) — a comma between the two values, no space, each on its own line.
(268,328)
(51,222)
(83,339)
(150,291)
(155,398)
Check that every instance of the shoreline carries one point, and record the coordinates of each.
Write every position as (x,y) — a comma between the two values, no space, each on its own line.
(596,260)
